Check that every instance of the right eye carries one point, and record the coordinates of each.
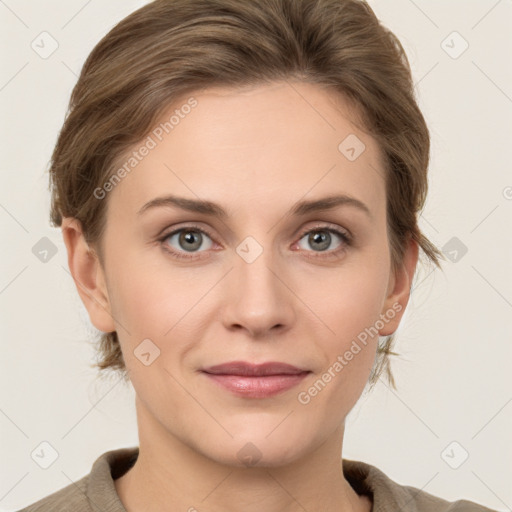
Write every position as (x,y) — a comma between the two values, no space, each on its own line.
(188,239)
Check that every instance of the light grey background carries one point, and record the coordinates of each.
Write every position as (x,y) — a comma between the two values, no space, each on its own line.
(454,375)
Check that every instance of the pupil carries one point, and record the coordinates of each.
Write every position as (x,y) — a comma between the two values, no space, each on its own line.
(320,236)
(188,237)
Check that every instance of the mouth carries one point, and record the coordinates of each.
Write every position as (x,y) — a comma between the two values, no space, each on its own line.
(255,380)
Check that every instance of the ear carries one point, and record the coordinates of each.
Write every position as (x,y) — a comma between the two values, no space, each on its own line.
(399,289)
(88,275)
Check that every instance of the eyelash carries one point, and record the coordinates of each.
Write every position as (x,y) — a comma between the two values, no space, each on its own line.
(345,237)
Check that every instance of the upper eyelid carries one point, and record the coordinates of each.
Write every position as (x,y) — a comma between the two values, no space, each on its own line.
(191,227)
(328,227)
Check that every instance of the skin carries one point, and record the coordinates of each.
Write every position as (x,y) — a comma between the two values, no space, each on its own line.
(255,151)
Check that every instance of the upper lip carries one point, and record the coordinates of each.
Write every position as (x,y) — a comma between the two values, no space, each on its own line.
(251,369)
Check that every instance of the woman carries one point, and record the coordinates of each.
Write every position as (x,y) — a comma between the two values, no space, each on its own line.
(251,131)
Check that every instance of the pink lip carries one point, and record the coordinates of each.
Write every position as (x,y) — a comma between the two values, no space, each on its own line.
(249,369)
(256,380)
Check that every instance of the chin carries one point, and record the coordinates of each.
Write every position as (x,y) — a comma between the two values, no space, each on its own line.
(257,451)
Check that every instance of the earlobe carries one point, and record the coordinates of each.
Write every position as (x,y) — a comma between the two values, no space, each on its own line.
(88,275)
(399,290)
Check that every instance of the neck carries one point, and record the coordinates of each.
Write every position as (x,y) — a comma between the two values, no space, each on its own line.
(172,475)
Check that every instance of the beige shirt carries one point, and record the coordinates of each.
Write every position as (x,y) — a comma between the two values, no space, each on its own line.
(96,492)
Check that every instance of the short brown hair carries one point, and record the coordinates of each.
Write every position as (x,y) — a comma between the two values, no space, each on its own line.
(170,48)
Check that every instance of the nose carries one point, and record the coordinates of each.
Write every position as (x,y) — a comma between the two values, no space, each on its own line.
(259,301)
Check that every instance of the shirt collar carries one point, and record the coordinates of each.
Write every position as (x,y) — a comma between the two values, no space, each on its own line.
(386,495)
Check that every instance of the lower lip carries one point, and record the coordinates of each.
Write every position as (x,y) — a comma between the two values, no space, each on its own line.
(257,387)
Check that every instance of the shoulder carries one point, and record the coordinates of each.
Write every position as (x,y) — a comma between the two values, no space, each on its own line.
(426,502)
(387,494)
(93,492)
(70,498)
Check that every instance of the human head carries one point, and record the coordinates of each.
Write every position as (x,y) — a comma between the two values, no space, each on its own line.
(171,49)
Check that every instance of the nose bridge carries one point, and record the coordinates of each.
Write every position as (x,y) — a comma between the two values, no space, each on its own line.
(260,300)
(254,266)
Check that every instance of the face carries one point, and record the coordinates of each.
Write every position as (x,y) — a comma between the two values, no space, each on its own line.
(272,279)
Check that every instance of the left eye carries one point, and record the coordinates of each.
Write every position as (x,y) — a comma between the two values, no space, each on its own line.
(321,238)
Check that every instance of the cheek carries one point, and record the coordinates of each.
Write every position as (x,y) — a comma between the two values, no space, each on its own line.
(151,302)
(351,308)
(350,304)
(349,300)
(143,292)
(139,301)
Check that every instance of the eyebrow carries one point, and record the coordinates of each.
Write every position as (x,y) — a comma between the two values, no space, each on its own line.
(299,209)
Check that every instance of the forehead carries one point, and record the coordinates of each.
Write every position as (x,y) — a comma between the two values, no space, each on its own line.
(256,145)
